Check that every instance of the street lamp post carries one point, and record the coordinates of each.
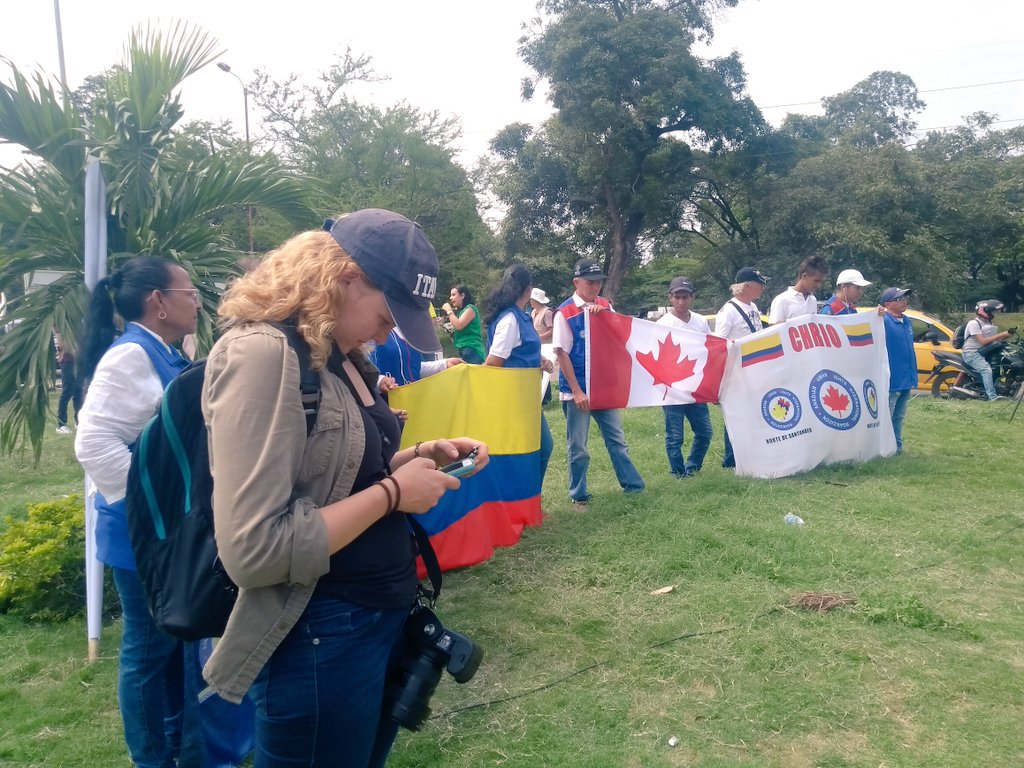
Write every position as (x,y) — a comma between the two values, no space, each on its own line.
(248,145)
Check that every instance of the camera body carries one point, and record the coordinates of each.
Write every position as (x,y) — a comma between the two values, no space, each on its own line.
(427,648)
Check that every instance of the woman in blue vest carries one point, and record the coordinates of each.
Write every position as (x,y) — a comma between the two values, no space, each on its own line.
(159,707)
(514,342)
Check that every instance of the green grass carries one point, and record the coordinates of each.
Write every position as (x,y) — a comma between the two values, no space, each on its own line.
(584,667)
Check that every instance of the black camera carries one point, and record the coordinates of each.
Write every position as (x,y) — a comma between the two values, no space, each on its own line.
(427,648)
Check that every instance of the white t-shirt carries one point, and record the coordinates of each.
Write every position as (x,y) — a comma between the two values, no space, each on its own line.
(791,303)
(506,336)
(695,323)
(729,323)
(977,327)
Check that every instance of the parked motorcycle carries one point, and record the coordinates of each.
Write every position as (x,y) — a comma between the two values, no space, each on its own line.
(1006,359)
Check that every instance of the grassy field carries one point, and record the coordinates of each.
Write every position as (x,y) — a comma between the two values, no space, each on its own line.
(586,667)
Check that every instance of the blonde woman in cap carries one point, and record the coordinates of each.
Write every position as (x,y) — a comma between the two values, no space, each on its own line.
(312,528)
(850,285)
(737,318)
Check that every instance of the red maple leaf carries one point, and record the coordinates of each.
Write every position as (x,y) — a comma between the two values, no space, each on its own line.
(835,400)
(667,368)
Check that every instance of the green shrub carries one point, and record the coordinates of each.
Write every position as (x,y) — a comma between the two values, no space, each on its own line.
(41,561)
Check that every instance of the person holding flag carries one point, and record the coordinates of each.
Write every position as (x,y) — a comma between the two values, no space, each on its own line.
(737,318)
(680,295)
(571,350)
(514,341)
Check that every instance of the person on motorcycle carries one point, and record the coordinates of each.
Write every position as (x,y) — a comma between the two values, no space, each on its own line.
(979,333)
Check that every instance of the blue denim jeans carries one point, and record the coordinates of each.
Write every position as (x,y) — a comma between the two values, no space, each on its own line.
(577,429)
(729,459)
(319,697)
(158,684)
(700,423)
(898,400)
(977,361)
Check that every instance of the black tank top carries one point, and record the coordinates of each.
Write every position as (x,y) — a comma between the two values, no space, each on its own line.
(378,568)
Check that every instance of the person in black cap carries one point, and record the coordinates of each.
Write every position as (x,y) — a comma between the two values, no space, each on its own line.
(737,318)
(680,294)
(311,528)
(571,352)
(899,346)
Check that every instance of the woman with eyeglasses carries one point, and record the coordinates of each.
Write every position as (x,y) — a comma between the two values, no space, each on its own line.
(158,675)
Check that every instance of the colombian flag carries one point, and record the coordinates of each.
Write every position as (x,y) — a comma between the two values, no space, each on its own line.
(500,407)
(858,335)
(758,351)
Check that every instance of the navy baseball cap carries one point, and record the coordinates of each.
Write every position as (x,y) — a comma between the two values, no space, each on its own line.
(750,275)
(588,270)
(395,256)
(891,294)
(681,284)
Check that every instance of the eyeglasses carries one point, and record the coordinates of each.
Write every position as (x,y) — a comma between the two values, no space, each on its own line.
(193,291)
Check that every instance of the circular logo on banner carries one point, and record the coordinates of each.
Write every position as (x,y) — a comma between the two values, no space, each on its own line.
(871,398)
(834,400)
(781,409)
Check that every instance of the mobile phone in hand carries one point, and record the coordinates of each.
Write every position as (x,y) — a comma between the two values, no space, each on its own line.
(462,466)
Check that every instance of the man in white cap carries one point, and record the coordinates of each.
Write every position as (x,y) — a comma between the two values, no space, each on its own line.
(850,285)
(543,315)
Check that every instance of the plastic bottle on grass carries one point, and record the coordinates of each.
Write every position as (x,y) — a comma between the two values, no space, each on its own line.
(792,519)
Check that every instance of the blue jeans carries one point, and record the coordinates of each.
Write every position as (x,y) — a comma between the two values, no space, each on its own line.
(700,423)
(977,361)
(159,679)
(729,459)
(547,445)
(577,429)
(319,697)
(898,400)
(471,356)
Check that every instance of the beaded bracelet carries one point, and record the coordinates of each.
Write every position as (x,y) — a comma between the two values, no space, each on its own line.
(416,449)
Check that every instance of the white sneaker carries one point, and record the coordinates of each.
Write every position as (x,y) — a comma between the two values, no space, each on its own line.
(63,429)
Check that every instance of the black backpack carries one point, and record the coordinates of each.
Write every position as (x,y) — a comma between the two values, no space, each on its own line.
(170,506)
(958,336)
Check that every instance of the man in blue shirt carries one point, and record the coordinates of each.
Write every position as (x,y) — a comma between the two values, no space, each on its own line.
(850,285)
(899,344)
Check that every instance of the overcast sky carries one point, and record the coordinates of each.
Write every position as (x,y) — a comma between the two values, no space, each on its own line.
(459,56)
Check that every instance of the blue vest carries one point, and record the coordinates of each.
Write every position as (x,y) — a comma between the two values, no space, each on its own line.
(112,544)
(836,306)
(578,353)
(527,353)
(397,359)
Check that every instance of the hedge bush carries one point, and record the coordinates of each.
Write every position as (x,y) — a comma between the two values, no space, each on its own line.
(42,576)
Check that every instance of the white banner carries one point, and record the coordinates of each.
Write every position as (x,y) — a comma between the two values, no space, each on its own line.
(814,390)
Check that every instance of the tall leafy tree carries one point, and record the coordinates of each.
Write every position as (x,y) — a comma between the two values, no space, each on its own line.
(615,165)
(363,156)
(160,202)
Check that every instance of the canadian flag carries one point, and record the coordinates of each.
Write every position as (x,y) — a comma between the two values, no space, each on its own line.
(634,363)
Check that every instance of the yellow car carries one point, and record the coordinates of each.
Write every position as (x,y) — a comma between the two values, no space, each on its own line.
(930,335)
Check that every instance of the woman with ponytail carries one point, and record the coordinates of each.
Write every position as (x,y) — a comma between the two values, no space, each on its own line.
(514,342)
(127,375)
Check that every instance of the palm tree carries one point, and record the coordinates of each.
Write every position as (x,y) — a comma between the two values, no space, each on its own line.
(159,202)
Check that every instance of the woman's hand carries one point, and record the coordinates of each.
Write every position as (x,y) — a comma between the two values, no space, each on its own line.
(422,485)
(445,451)
(446,308)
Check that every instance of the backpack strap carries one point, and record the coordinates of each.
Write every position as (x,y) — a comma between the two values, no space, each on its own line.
(309,380)
(743,314)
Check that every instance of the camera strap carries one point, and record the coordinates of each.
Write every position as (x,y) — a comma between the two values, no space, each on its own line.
(429,560)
